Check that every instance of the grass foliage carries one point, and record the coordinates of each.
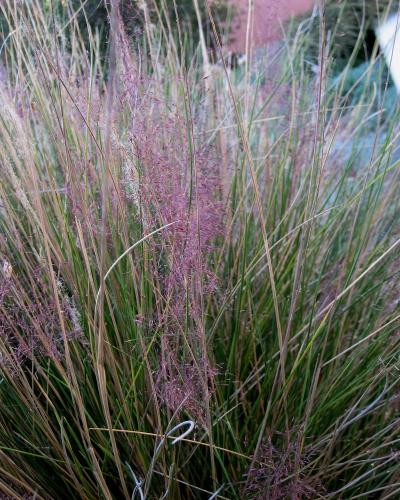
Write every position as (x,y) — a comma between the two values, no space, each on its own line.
(199,269)
(351,25)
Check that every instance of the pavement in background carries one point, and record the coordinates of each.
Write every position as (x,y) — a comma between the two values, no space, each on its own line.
(267,19)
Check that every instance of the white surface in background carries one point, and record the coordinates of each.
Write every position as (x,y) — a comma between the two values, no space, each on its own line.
(388,35)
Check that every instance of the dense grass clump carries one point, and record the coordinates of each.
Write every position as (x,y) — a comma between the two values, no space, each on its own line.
(199,268)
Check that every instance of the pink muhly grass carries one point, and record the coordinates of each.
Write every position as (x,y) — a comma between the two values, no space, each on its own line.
(166,193)
(181,385)
(171,180)
(278,473)
(29,319)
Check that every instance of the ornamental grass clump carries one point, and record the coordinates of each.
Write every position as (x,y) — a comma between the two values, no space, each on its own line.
(198,267)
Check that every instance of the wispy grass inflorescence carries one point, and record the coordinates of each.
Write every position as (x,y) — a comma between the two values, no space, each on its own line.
(173,179)
(29,317)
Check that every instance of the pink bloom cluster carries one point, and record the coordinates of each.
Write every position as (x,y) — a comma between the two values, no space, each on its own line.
(277,473)
(175,180)
(30,320)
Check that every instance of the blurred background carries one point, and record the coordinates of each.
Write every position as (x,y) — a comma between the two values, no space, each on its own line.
(257,21)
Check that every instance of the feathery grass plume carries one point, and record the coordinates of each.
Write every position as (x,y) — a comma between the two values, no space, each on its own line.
(29,318)
(174,180)
(279,474)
